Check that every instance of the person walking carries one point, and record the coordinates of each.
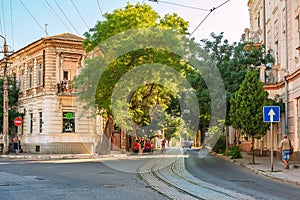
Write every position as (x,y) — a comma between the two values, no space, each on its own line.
(16,144)
(285,150)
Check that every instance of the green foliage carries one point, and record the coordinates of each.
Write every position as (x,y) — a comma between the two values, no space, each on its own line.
(248,102)
(233,60)
(13,94)
(235,152)
(220,146)
(116,61)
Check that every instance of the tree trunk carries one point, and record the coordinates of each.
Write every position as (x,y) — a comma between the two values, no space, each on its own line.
(198,136)
(227,142)
(252,148)
(105,146)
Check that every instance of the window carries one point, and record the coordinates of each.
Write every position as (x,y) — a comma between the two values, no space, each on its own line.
(41,122)
(31,123)
(66,75)
(30,77)
(40,74)
(68,122)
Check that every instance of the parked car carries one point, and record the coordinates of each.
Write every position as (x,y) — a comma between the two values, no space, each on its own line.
(187,144)
(136,146)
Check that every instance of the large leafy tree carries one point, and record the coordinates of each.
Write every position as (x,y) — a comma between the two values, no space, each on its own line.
(233,60)
(247,107)
(12,104)
(148,95)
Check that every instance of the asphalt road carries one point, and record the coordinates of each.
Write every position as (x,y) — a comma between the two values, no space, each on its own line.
(237,178)
(73,179)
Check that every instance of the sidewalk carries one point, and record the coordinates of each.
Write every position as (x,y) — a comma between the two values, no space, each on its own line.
(263,167)
(33,156)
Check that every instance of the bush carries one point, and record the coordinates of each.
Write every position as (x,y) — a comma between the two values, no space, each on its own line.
(220,145)
(235,152)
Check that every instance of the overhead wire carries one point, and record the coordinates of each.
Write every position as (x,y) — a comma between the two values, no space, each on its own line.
(52,10)
(99,7)
(79,14)
(210,11)
(1,25)
(12,24)
(4,28)
(66,17)
(193,7)
(181,5)
(37,22)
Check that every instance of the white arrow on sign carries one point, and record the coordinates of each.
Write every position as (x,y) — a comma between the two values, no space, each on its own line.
(271,114)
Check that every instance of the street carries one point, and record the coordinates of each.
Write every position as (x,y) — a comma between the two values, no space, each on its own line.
(172,175)
(70,179)
(236,178)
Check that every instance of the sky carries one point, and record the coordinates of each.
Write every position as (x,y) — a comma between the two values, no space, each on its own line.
(24,21)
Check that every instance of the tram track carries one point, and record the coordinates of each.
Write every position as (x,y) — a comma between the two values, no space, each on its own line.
(169,177)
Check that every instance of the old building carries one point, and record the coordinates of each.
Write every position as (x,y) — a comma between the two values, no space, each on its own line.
(276,23)
(52,118)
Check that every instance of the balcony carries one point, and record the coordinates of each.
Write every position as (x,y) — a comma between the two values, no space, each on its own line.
(65,88)
(268,75)
(271,76)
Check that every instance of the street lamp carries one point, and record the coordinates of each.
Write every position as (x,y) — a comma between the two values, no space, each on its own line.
(5,100)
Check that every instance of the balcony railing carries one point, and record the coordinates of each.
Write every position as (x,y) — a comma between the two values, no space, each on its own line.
(65,88)
(271,76)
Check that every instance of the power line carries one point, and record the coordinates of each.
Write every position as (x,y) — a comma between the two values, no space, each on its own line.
(32,15)
(4,29)
(52,10)
(80,14)
(66,17)
(211,10)
(99,7)
(12,24)
(181,5)
(1,26)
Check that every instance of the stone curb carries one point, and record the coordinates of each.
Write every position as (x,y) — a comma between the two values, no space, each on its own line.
(60,156)
(257,171)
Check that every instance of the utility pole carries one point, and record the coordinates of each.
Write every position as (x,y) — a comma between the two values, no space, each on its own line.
(5,99)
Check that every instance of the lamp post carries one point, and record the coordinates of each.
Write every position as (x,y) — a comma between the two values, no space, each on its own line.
(5,100)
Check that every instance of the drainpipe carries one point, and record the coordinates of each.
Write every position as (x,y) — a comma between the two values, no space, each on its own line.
(286,69)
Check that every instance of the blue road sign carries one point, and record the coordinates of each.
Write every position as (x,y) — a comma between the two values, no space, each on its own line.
(271,114)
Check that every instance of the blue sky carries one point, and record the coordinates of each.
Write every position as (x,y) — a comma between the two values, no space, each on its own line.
(23,21)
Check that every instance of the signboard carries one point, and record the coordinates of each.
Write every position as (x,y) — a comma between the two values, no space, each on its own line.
(69,115)
(18,121)
(271,114)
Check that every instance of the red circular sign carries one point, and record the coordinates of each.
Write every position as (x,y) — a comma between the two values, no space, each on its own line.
(18,121)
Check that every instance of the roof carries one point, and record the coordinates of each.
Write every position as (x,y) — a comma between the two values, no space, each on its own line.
(62,36)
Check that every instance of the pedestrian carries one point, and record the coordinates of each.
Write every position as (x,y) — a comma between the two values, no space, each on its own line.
(163,145)
(285,150)
(142,144)
(16,144)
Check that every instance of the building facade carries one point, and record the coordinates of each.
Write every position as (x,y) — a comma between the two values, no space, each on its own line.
(53,121)
(276,23)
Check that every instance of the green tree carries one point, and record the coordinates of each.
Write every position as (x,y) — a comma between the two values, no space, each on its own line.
(147,96)
(247,109)
(232,60)
(12,104)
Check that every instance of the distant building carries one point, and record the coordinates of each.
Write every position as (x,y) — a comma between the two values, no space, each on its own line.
(52,120)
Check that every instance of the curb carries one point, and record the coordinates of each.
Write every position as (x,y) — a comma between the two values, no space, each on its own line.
(256,171)
(60,156)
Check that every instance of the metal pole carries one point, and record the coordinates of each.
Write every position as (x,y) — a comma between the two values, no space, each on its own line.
(272,159)
(5,102)
(286,71)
